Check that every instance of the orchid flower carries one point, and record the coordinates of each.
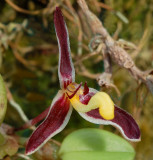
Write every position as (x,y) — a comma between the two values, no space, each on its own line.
(94,106)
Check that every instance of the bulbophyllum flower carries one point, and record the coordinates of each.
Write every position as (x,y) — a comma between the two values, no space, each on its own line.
(94,106)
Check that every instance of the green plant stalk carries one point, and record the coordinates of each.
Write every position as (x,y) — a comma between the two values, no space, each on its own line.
(3,100)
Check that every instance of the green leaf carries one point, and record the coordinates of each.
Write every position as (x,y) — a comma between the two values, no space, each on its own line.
(3,100)
(95,144)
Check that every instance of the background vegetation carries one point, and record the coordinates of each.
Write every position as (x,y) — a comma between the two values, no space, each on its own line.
(29,58)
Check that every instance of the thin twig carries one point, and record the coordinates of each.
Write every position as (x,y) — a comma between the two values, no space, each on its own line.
(16,106)
(86,57)
(88,74)
(48,10)
(24,156)
(55,142)
(78,23)
(19,9)
(103,5)
(28,64)
(141,44)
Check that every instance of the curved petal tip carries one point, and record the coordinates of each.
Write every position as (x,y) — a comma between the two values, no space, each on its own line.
(123,121)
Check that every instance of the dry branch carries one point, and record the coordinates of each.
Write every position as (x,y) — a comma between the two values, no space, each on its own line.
(117,54)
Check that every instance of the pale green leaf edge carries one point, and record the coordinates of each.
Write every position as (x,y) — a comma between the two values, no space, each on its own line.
(3,100)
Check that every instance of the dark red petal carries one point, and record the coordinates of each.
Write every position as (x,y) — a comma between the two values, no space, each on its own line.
(86,89)
(40,116)
(55,122)
(85,98)
(66,69)
(35,120)
(122,121)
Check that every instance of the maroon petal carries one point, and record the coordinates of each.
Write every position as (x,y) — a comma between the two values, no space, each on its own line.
(40,117)
(66,69)
(122,121)
(35,120)
(55,122)
(86,89)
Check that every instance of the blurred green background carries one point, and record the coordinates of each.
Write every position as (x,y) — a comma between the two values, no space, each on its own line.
(29,58)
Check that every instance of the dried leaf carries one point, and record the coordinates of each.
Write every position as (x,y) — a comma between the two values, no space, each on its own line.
(8,145)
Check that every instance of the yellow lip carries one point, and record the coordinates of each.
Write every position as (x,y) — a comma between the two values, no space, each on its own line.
(100,100)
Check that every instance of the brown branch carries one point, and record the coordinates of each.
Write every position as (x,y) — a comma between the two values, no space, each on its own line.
(141,44)
(55,142)
(48,10)
(117,54)
(76,19)
(105,79)
(103,5)
(17,8)
(28,64)
(87,74)
(85,57)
